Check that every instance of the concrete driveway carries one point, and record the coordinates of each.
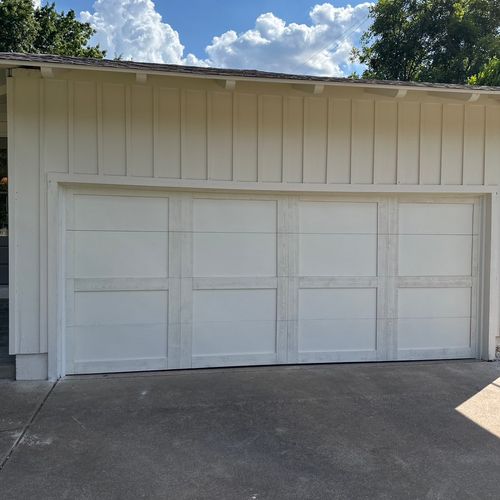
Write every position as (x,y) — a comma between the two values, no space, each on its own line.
(402,430)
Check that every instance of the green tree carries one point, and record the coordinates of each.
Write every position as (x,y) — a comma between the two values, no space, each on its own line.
(444,41)
(489,74)
(44,30)
(17,26)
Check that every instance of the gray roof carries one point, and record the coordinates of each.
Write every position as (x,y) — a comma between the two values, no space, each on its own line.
(19,59)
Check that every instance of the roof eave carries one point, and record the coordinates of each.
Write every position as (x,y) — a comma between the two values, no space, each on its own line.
(310,81)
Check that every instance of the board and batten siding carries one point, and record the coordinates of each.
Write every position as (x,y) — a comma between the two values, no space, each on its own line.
(102,124)
(109,128)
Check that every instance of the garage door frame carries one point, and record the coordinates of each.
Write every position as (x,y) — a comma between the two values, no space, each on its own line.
(57,199)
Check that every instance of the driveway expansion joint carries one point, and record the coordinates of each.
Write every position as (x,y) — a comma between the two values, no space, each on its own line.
(26,427)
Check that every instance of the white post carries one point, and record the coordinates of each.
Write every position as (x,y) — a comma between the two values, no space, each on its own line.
(491,278)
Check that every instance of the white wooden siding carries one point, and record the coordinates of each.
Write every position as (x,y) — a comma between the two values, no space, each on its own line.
(182,132)
(106,126)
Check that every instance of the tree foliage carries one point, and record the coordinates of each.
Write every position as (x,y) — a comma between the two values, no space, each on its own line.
(489,74)
(445,41)
(44,30)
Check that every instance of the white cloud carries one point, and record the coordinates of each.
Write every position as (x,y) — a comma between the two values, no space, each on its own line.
(135,30)
(322,47)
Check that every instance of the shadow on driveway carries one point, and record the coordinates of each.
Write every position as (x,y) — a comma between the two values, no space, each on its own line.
(400,430)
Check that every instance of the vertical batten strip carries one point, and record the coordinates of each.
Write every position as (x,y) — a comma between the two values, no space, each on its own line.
(383,342)
(156,140)
(327,142)
(231,168)
(257,141)
(43,221)
(477,215)
(183,131)
(233,134)
(303,138)
(71,126)
(419,150)
(373,144)
(350,140)
(462,175)
(491,309)
(492,146)
(206,134)
(441,147)
(484,146)
(128,130)
(392,273)
(209,117)
(282,287)
(282,139)
(420,147)
(329,121)
(100,166)
(175,236)
(397,142)
(186,303)
(293,228)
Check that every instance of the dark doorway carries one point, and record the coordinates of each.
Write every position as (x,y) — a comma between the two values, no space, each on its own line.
(6,361)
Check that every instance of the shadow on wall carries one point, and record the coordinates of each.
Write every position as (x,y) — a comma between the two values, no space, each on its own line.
(4,302)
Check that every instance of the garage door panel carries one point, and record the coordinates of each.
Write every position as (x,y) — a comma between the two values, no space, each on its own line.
(118,326)
(434,302)
(434,333)
(337,217)
(236,322)
(431,318)
(234,338)
(337,335)
(119,342)
(337,319)
(236,216)
(122,213)
(435,239)
(120,254)
(337,255)
(120,307)
(234,254)
(361,278)
(435,255)
(338,303)
(436,218)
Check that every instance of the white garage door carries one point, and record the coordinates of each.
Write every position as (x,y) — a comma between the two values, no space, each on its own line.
(164,280)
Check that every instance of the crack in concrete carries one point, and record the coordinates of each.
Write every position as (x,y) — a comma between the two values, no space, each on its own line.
(26,427)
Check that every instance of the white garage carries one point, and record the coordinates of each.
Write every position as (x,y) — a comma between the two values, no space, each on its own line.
(162,280)
(167,217)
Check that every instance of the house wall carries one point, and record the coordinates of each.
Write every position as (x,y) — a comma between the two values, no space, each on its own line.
(105,127)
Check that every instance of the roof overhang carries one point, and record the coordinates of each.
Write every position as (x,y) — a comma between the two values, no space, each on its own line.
(51,66)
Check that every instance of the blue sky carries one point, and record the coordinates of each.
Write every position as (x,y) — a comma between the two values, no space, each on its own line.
(301,35)
(197,21)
